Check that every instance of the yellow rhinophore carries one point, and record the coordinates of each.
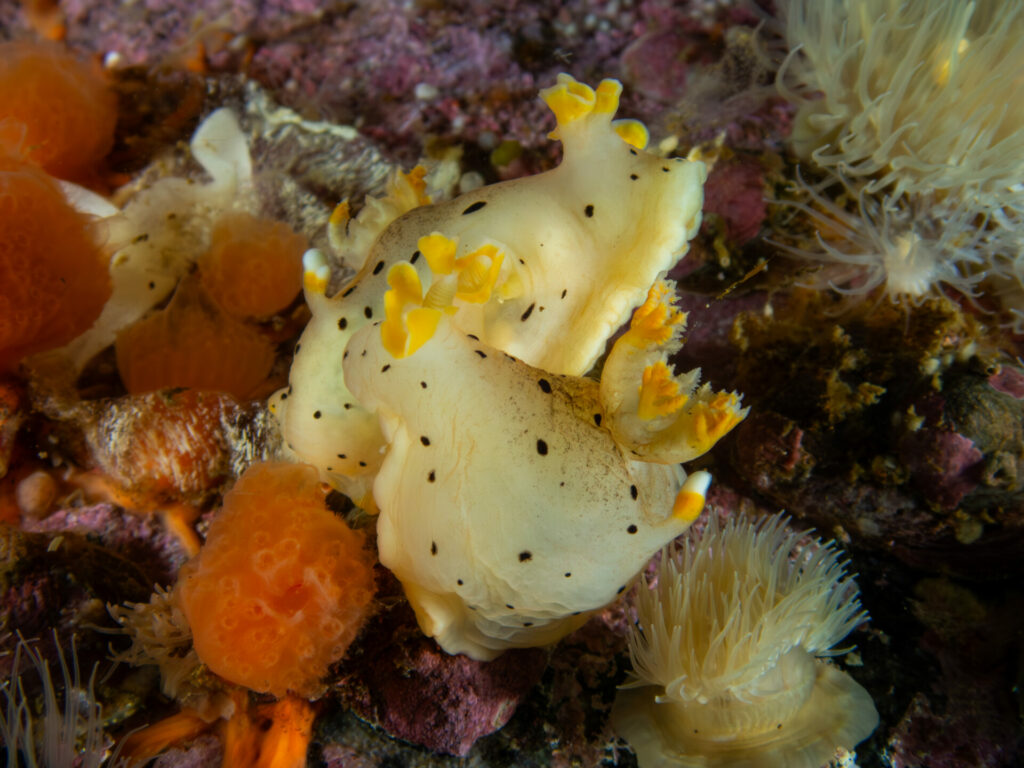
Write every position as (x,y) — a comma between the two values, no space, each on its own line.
(406,329)
(571,100)
(475,273)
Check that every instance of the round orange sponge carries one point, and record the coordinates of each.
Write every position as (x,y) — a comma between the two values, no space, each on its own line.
(61,109)
(281,586)
(191,343)
(53,273)
(254,266)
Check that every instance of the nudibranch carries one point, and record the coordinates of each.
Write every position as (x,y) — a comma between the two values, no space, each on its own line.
(566,255)
(514,511)
(445,385)
(159,235)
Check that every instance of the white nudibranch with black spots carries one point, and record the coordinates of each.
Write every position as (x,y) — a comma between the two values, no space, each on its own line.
(509,512)
(444,385)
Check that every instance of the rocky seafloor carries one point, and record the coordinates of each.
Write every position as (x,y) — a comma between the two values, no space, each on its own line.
(896,431)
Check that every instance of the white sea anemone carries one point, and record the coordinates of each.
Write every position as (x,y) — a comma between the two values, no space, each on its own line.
(71,729)
(922,96)
(911,246)
(160,635)
(725,654)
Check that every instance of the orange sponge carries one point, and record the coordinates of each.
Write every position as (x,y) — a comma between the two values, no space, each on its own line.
(281,585)
(53,274)
(191,343)
(254,266)
(61,109)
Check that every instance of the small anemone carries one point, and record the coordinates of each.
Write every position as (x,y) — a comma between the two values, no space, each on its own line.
(160,635)
(725,654)
(71,729)
(912,248)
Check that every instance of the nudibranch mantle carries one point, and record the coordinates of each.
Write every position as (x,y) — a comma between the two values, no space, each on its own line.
(511,515)
(581,245)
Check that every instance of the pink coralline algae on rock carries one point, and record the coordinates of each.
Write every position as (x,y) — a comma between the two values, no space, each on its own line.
(400,680)
(1009,381)
(402,73)
(945,465)
(204,751)
(658,63)
(734,193)
(139,538)
(59,582)
(966,716)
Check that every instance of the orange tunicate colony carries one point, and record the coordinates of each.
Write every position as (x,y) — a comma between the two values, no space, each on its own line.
(53,273)
(191,343)
(281,586)
(254,266)
(55,110)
